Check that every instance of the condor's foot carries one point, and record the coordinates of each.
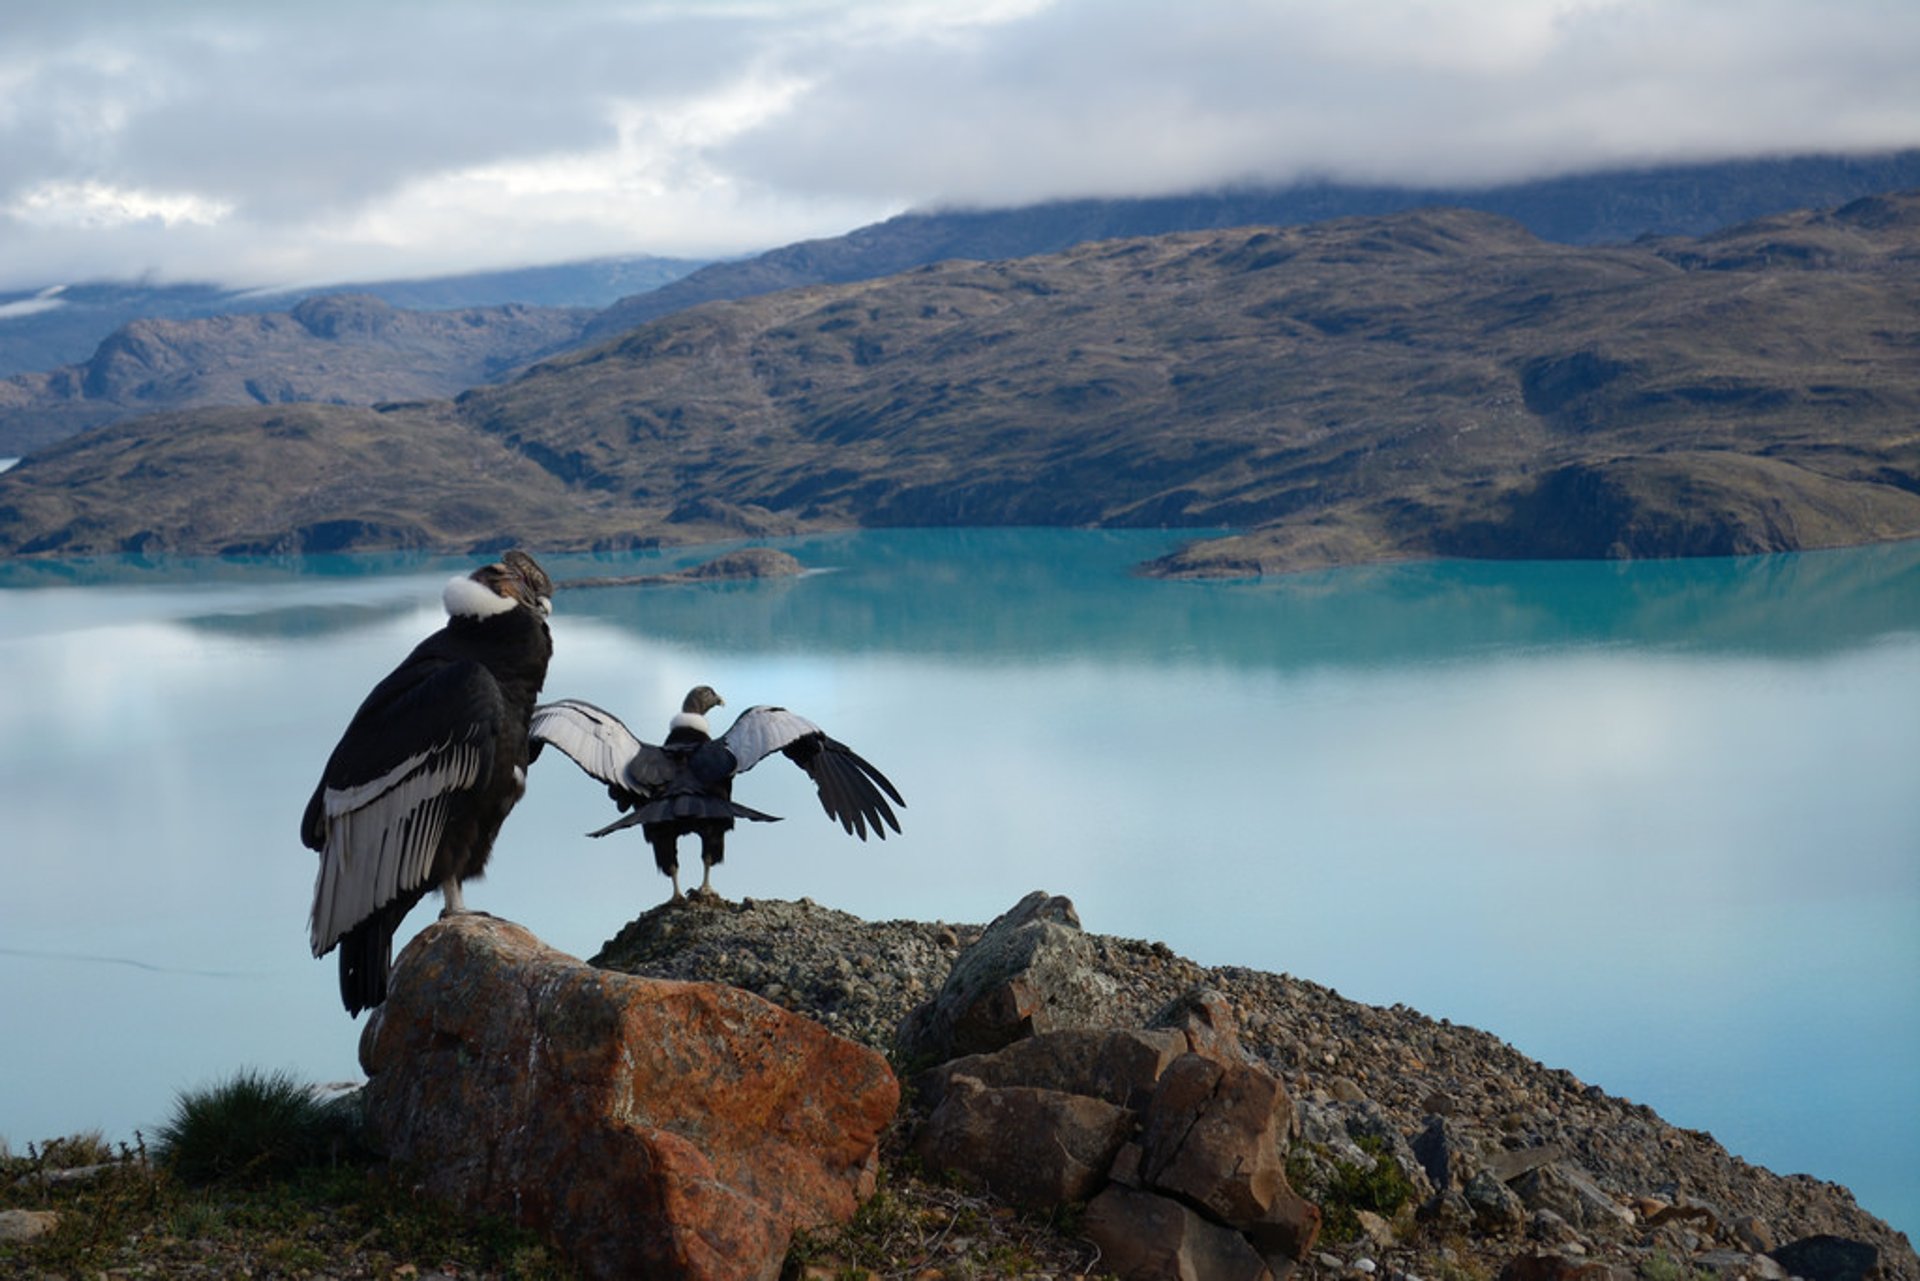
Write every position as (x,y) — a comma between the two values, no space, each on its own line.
(455,903)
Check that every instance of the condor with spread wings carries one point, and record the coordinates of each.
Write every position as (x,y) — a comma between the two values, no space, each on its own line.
(684,787)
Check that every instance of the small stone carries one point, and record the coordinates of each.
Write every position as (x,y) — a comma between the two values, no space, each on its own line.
(1754,1234)
(1343,1089)
(1738,1265)
(1496,1209)
(25,1225)
(1378,1232)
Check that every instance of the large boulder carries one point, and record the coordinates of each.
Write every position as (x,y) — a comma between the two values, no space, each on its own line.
(1144,1237)
(1215,1136)
(1032,970)
(647,1127)
(1035,1149)
(1118,1065)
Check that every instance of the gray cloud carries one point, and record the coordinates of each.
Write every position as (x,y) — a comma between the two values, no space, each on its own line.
(1117,97)
(255,143)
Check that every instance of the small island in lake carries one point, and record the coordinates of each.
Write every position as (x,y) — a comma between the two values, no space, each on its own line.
(745,563)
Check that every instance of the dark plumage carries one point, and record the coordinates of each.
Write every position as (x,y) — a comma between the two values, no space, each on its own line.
(685,786)
(428,768)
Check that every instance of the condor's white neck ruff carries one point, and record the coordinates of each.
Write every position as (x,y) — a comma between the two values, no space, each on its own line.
(689,720)
(466,598)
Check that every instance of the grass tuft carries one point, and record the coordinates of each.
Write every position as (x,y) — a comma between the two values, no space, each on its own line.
(256,1124)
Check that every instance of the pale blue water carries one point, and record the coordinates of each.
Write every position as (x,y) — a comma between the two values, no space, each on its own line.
(1656,824)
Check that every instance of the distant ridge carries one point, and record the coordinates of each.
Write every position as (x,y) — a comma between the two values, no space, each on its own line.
(1436,382)
(61,324)
(1607,207)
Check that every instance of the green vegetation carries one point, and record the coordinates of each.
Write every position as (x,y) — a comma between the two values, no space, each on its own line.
(256,1125)
(253,1178)
(1663,1266)
(1343,1188)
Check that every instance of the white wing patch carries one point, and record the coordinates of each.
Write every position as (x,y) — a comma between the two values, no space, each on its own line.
(596,739)
(761,731)
(382,836)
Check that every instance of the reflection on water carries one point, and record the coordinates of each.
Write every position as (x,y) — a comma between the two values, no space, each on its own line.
(1653,823)
(910,592)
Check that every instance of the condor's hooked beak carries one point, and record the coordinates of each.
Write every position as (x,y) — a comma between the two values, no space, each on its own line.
(526,582)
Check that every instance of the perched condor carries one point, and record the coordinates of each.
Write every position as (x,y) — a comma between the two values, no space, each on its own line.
(685,786)
(428,769)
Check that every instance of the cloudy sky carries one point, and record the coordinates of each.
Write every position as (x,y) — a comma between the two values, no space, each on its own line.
(299,142)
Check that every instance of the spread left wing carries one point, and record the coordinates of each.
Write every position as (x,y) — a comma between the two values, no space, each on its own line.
(600,743)
(851,790)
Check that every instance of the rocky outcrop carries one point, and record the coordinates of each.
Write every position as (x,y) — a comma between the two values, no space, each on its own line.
(647,1127)
(1029,972)
(1435,1149)
(1171,1132)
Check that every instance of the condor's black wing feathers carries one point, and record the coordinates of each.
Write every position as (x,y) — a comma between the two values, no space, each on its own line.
(851,790)
(424,735)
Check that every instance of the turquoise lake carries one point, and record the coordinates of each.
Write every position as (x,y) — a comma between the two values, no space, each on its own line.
(1657,824)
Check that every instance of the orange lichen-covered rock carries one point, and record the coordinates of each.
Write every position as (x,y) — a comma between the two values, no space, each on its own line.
(647,1127)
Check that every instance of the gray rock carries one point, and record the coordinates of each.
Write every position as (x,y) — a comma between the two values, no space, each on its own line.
(1754,1234)
(1739,1265)
(1212,1137)
(1322,1124)
(1116,1065)
(1510,1165)
(25,1225)
(1828,1258)
(1572,1194)
(1036,1149)
(1206,1019)
(1444,1153)
(1497,1210)
(1032,970)
(1144,1237)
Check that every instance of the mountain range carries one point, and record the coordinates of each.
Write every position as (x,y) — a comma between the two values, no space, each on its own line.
(46,399)
(56,324)
(1437,382)
(342,348)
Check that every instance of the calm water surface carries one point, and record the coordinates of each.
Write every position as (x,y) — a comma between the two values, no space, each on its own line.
(1656,824)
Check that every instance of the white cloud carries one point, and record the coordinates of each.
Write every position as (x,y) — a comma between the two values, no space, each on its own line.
(280,142)
(98,206)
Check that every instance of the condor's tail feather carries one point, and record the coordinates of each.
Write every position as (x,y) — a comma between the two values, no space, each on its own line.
(366,954)
(686,806)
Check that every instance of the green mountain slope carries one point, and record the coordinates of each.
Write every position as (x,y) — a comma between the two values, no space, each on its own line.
(1438,382)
